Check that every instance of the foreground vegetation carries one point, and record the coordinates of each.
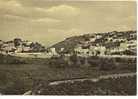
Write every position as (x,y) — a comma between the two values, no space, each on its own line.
(18,75)
(17,79)
(118,86)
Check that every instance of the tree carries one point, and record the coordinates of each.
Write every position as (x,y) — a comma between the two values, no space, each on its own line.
(36,47)
(17,42)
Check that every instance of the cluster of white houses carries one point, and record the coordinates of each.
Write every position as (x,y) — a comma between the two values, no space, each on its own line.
(47,54)
(99,50)
(91,51)
(83,49)
(24,49)
(9,47)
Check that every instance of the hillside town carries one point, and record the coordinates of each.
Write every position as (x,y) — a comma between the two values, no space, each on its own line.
(25,48)
(20,46)
(98,44)
(111,43)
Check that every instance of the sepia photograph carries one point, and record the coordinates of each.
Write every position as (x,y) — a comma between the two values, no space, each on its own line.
(68,48)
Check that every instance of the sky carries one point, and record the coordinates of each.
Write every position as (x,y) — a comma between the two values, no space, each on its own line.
(49,22)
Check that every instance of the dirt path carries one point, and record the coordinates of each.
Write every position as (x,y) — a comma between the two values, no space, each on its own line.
(95,79)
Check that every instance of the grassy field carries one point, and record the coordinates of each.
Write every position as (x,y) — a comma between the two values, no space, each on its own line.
(18,75)
(116,86)
(17,79)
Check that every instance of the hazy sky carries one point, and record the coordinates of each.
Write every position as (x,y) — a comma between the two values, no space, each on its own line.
(51,21)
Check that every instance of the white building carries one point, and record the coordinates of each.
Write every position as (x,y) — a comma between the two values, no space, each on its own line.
(98,36)
(92,39)
(100,49)
(128,45)
(53,51)
(8,47)
(81,52)
(19,49)
(62,49)
(92,51)
(27,43)
(119,40)
(26,49)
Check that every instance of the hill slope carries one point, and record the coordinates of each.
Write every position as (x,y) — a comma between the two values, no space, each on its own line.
(109,40)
